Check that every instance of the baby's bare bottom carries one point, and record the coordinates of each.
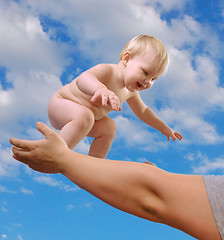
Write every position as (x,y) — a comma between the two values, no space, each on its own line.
(76,121)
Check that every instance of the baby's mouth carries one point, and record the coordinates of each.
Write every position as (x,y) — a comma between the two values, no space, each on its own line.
(138,85)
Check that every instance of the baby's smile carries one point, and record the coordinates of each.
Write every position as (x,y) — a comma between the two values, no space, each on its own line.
(138,85)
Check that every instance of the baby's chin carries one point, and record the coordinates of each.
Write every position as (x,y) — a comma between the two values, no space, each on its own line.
(131,89)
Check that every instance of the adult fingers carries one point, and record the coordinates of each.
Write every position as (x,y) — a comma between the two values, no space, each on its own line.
(44,129)
(20,155)
(28,144)
(23,144)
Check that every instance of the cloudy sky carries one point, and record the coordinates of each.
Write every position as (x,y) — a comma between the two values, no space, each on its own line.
(46,44)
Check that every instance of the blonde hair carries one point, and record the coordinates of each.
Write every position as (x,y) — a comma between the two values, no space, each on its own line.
(141,44)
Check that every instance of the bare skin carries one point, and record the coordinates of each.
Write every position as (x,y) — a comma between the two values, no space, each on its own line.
(144,190)
(80,108)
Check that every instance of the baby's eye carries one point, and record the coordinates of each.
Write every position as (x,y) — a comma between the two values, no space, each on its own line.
(153,79)
(146,73)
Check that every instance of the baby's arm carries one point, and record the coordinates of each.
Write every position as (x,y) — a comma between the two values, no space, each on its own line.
(91,82)
(144,113)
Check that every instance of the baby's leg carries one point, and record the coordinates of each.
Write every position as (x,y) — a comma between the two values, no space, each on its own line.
(104,132)
(74,120)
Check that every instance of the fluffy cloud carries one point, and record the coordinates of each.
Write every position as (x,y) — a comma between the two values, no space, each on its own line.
(168,5)
(52,182)
(135,134)
(24,45)
(8,167)
(5,190)
(210,166)
(190,90)
(33,64)
(34,59)
(204,165)
(100,29)
(26,191)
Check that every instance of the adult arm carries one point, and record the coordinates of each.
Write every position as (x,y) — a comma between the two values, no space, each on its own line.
(141,189)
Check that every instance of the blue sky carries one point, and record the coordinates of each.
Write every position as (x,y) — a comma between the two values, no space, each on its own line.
(46,44)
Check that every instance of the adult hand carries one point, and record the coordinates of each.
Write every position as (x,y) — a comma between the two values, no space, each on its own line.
(41,155)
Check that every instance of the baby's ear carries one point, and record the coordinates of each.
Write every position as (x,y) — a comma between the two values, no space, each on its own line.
(126,57)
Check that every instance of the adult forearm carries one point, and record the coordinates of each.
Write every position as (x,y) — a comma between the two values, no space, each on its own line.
(128,186)
(140,189)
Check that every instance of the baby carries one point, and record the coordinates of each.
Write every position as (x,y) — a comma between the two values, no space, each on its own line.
(80,108)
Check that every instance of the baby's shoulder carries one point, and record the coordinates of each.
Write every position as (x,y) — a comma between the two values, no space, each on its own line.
(103,71)
(105,67)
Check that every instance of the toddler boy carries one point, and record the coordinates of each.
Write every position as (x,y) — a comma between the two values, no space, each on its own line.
(80,108)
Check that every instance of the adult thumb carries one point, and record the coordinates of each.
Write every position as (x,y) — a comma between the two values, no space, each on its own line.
(44,129)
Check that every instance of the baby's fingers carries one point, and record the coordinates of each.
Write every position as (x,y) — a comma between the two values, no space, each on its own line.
(104,99)
(115,103)
(178,135)
(172,135)
(95,97)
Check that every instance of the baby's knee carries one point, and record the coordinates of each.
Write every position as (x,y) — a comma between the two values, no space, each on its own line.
(84,121)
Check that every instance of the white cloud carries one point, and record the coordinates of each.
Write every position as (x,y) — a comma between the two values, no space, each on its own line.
(136,134)
(50,181)
(194,128)
(85,23)
(6,190)
(8,166)
(203,165)
(189,92)
(33,64)
(28,99)
(168,5)
(20,237)
(26,191)
(84,204)
(34,60)
(3,209)
(70,207)
(210,166)
(83,146)
(23,44)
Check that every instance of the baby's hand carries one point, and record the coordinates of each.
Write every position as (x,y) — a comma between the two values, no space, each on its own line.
(167,131)
(105,96)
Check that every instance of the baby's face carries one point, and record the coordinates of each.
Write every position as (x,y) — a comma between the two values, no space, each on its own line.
(139,71)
